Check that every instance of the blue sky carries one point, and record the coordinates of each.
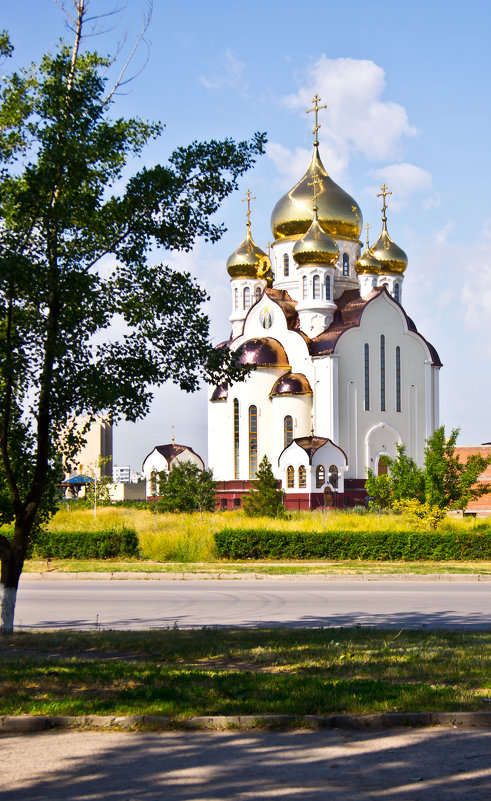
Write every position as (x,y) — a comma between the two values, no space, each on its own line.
(407,89)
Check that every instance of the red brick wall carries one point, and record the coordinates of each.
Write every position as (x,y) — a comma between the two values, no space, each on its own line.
(483,504)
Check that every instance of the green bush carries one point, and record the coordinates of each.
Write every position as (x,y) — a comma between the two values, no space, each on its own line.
(373,546)
(107,544)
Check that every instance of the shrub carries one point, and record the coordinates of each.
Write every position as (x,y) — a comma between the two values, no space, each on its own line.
(106,544)
(373,545)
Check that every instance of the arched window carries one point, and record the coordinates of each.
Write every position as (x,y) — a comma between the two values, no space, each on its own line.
(367,377)
(304,287)
(252,441)
(302,477)
(328,287)
(286,265)
(287,430)
(257,293)
(397,293)
(290,477)
(398,379)
(316,286)
(320,476)
(333,476)
(246,297)
(153,482)
(382,373)
(236,298)
(236,438)
(345,264)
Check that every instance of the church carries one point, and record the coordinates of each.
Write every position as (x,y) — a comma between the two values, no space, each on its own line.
(341,373)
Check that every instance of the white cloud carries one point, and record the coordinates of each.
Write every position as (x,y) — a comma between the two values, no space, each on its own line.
(227,73)
(356,120)
(441,236)
(403,180)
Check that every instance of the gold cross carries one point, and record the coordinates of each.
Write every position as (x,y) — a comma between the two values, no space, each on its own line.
(315,109)
(368,226)
(248,198)
(173,437)
(384,191)
(313,183)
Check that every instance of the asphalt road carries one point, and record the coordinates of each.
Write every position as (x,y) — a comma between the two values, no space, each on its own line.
(131,604)
(408,765)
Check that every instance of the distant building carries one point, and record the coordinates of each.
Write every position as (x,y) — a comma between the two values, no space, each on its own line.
(122,475)
(162,458)
(95,457)
(482,506)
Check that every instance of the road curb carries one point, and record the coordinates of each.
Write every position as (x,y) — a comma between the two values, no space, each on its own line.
(28,724)
(358,577)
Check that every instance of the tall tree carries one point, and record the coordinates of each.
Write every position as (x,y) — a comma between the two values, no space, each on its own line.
(62,156)
(265,497)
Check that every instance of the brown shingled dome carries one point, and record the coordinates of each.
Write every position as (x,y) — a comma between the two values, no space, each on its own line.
(263,352)
(291,384)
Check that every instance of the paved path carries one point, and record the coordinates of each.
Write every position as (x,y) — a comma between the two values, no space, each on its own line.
(155,604)
(422,765)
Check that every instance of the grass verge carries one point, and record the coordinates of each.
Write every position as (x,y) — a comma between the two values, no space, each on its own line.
(218,672)
(270,568)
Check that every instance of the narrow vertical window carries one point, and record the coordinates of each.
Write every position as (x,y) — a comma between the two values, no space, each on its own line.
(252,441)
(236,298)
(316,286)
(345,264)
(290,477)
(382,373)
(320,476)
(236,438)
(257,294)
(287,430)
(328,287)
(333,476)
(153,482)
(286,265)
(397,293)
(304,287)
(367,377)
(398,379)
(302,477)
(246,297)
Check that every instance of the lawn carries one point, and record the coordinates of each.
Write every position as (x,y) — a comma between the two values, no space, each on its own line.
(218,672)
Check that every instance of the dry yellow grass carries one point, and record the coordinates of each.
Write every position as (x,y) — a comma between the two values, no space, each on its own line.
(189,537)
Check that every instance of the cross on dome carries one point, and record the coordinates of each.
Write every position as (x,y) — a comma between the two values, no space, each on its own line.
(368,226)
(315,109)
(248,199)
(384,191)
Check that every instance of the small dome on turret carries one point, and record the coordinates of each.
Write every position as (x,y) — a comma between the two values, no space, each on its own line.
(367,263)
(391,257)
(316,247)
(339,214)
(291,384)
(245,261)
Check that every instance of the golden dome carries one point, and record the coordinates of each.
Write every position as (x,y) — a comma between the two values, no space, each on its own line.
(339,215)
(244,262)
(368,263)
(315,247)
(391,257)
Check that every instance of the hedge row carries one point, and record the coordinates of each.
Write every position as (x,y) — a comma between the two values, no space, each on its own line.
(373,545)
(106,544)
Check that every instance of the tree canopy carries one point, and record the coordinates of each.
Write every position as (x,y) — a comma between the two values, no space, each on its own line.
(74,262)
(265,497)
(186,488)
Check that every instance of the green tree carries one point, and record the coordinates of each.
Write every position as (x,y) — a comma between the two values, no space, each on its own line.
(186,488)
(265,499)
(62,163)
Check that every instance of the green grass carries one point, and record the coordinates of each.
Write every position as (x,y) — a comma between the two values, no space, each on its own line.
(228,569)
(185,673)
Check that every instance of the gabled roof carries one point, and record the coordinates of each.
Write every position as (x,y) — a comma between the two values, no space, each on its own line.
(350,308)
(312,444)
(169,452)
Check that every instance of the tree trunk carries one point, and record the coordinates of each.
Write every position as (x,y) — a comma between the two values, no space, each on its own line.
(12,564)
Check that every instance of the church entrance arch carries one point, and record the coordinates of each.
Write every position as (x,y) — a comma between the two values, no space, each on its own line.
(381,441)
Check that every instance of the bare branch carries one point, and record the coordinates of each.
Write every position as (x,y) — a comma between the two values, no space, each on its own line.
(147,17)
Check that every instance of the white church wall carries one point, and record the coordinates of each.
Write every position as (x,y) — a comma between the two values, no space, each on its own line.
(300,409)
(220,435)
(416,419)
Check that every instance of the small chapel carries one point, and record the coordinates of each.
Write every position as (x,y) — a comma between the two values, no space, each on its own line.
(341,373)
